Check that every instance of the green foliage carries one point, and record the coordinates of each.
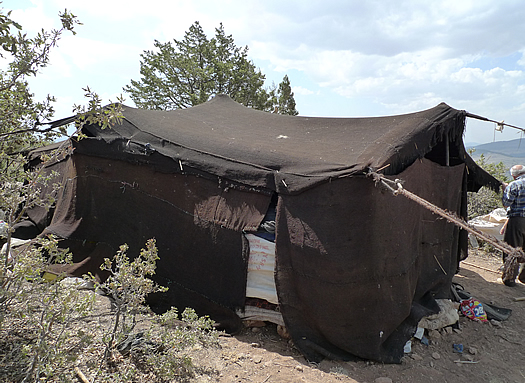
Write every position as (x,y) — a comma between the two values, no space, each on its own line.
(95,113)
(189,72)
(54,315)
(7,39)
(163,350)
(498,171)
(286,98)
(128,285)
(39,340)
(486,200)
(177,339)
(281,98)
(21,116)
(42,303)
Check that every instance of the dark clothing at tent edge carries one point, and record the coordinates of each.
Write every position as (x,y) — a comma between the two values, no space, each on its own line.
(356,267)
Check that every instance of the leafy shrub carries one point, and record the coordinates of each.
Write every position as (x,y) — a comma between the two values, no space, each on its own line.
(177,339)
(128,285)
(42,307)
(486,200)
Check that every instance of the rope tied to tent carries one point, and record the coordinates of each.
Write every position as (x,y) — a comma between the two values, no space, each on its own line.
(514,255)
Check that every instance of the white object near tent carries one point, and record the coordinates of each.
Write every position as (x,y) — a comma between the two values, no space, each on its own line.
(491,223)
(261,267)
(261,281)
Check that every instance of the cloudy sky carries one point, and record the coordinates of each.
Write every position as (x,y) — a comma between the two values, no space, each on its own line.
(343,57)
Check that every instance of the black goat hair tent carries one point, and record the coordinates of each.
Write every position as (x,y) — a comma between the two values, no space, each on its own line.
(356,267)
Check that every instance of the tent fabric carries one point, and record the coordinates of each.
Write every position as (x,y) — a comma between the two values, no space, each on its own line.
(377,265)
(104,203)
(281,153)
(356,267)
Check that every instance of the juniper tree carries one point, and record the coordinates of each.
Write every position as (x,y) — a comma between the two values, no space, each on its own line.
(184,73)
(286,101)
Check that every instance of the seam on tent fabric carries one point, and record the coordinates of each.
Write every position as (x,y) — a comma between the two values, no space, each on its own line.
(157,198)
(218,155)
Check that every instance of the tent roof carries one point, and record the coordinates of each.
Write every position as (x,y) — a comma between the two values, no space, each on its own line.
(283,153)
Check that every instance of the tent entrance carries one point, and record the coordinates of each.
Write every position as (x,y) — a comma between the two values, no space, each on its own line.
(262,303)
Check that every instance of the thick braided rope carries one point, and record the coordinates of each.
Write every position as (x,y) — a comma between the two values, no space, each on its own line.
(515,255)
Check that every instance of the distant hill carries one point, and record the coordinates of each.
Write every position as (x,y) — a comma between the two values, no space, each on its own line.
(509,152)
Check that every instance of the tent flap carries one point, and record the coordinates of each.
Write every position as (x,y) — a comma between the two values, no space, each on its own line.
(355,253)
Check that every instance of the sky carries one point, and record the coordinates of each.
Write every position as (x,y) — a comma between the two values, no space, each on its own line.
(344,58)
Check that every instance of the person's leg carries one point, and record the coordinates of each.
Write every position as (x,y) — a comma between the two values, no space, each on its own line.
(515,237)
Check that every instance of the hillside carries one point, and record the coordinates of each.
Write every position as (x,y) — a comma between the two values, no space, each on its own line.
(509,152)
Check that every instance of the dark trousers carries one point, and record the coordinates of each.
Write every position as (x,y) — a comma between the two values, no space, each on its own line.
(515,232)
(515,236)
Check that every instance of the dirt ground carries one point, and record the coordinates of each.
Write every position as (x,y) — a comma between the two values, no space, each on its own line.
(493,352)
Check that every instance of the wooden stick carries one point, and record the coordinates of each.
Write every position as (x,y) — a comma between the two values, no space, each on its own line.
(465,361)
(519,299)
(480,267)
(81,375)
(442,269)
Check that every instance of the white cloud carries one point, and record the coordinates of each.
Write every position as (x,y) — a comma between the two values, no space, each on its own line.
(302,91)
(395,56)
(32,19)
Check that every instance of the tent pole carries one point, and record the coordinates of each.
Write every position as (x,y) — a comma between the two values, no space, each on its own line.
(501,124)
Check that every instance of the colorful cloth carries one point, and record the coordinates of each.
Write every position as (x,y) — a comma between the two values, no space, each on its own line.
(473,309)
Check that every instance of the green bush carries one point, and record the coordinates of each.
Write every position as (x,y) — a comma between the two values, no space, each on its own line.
(486,200)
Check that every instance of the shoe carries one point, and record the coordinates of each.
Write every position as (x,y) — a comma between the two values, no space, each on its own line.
(509,283)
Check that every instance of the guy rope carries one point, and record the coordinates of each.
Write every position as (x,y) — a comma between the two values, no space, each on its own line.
(515,255)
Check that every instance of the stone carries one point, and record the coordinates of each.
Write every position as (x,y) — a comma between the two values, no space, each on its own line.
(472,350)
(283,332)
(254,323)
(416,357)
(299,368)
(383,379)
(436,355)
(434,334)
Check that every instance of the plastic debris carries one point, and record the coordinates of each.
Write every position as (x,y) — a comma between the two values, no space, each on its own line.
(458,348)
(408,347)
